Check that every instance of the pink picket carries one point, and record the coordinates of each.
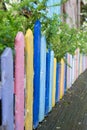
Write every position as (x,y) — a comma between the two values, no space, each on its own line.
(19,81)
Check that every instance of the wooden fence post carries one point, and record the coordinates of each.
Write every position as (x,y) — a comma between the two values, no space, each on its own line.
(47,82)
(77,63)
(86,62)
(19,81)
(58,67)
(29,80)
(0,97)
(62,79)
(37,46)
(54,84)
(73,66)
(65,77)
(80,64)
(7,89)
(0,107)
(83,62)
(68,71)
(51,79)
(42,79)
(0,68)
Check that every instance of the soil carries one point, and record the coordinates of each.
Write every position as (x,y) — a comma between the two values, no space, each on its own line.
(70,113)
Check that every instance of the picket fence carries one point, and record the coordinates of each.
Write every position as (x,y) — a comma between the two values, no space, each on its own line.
(39,82)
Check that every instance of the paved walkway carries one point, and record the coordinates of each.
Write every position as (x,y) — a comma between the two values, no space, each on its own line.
(71,112)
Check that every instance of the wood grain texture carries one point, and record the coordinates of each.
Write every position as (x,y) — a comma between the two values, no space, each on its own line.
(73,67)
(37,53)
(7,88)
(68,71)
(54,84)
(62,79)
(58,68)
(19,81)
(47,82)
(51,79)
(42,79)
(29,80)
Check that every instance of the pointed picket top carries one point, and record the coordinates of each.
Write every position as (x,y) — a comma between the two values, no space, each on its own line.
(37,24)
(6,52)
(29,35)
(19,38)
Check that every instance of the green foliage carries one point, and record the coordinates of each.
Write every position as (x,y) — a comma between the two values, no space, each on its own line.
(63,39)
(9,28)
(82,38)
(83,13)
(18,18)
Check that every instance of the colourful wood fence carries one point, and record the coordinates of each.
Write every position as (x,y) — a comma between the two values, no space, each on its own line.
(25,104)
(7,89)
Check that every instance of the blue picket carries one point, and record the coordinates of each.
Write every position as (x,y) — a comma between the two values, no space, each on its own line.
(51,79)
(65,77)
(37,46)
(47,83)
(57,81)
(42,79)
(7,88)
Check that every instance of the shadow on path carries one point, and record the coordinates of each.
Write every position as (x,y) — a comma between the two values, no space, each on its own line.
(71,112)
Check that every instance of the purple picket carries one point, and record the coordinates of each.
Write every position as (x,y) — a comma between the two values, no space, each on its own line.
(0,78)
(19,81)
(0,106)
(7,88)
(0,90)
